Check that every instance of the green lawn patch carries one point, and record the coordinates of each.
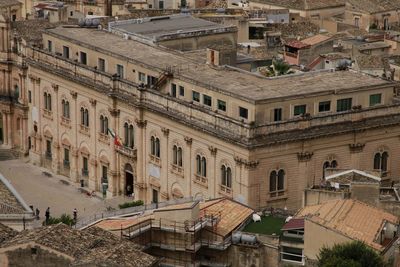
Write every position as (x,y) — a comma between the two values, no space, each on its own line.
(268,226)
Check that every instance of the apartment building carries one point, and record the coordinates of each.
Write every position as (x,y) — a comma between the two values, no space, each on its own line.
(185,124)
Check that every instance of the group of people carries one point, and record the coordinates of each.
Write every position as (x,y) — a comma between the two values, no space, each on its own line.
(47,214)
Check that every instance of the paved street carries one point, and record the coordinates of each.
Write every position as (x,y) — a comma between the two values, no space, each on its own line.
(43,191)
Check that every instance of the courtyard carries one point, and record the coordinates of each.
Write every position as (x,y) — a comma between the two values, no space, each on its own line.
(42,189)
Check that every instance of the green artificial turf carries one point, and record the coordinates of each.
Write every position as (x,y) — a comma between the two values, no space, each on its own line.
(268,226)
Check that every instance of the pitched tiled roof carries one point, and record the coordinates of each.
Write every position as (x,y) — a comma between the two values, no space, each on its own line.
(316,39)
(350,218)
(89,246)
(10,201)
(364,62)
(304,4)
(374,6)
(7,3)
(6,233)
(295,223)
(232,214)
(296,44)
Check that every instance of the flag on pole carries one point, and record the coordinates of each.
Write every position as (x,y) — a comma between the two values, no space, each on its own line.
(117,140)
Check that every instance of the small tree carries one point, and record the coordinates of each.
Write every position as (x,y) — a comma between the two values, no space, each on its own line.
(353,254)
(278,68)
(65,219)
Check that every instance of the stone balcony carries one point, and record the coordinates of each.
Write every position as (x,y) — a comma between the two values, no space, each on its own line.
(126,151)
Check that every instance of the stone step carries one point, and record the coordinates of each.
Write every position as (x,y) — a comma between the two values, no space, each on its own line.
(8,154)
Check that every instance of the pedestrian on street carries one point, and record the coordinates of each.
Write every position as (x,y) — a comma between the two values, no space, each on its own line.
(47,215)
(37,214)
(75,213)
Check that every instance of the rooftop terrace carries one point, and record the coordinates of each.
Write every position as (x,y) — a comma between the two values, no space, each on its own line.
(157,28)
(227,80)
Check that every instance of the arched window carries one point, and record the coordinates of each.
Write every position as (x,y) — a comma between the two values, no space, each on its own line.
(175,155)
(16,92)
(131,137)
(66,109)
(45,100)
(384,161)
(328,164)
(381,161)
(153,146)
(277,183)
(105,125)
(49,102)
(126,134)
(203,167)
(82,116)
(198,165)
(157,147)
(180,163)
(101,124)
(226,176)
(86,118)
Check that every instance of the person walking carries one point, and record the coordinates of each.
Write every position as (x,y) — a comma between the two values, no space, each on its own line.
(47,214)
(75,213)
(37,212)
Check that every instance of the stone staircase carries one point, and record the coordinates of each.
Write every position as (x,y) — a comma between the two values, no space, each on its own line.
(8,154)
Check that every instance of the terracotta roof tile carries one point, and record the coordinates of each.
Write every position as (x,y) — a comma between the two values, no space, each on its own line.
(295,223)
(351,218)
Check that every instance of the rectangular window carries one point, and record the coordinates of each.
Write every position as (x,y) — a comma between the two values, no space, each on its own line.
(343,104)
(83,58)
(48,149)
(50,46)
(30,96)
(299,110)
(277,114)
(101,64)
(104,171)
(243,112)
(181,90)
(66,51)
(120,71)
(196,96)
(85,169)
(221,105)
(375,99)
(292,254)
(173,90)
(151,80)
(207,100)
(324,106)
(142,77)
(66,157)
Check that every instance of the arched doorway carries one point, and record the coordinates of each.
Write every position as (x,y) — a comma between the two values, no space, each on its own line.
(128,180)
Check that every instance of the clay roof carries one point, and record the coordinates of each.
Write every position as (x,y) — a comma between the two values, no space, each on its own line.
(84,247)
(374,45)
(348,176)
(304,4)
(232,214)
(7,3)
(316,39)
(6,233)
(350,218)
(371,62)
(374,6)
(295,223)
(10,201)
(297,44)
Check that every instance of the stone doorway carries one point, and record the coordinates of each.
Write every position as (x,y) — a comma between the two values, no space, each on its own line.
(129,180)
